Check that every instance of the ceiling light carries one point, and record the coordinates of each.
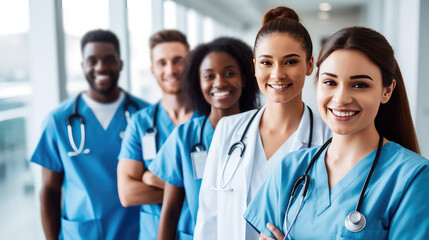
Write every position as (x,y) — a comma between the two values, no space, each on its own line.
(324,15)
(325,7)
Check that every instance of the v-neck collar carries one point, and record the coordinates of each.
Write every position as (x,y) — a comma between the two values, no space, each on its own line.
(88,113)
(357,174)
(162,114)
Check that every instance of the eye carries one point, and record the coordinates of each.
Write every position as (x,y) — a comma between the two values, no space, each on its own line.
(91,61)
(229,74)
(178,61)
(291,62)
(208,76)
(265,62)
(360,85)
(161,63)
(329,82)
(110,60)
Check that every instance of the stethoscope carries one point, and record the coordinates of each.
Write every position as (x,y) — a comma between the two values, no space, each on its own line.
(76,151)
(199,147)
(242,147)
(153,129)
(355,221)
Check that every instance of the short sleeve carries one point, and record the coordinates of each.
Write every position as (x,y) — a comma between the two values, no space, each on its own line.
(47,152)
(411,221)
(131,147)
(168,162)
(264,207)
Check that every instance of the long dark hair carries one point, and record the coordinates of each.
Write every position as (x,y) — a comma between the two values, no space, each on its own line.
(393,119)
(285,20)
(241,52)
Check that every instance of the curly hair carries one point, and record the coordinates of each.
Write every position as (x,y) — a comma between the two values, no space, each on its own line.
(241,52)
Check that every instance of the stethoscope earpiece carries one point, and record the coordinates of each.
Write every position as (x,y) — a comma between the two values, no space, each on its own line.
(355,221)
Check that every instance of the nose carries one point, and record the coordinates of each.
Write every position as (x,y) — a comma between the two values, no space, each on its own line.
(100,66)
(277,72)
(342,96)
(219,81)
(170,69)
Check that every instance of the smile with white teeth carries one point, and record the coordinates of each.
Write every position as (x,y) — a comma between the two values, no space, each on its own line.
(278,86)
(100,77)
(343,114)
(220,94)
(171,80)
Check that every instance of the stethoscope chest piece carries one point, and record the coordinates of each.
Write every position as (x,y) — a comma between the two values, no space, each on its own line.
(355,221)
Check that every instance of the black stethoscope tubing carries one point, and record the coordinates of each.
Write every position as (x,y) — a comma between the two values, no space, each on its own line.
(75,114)
(306,179)
(240,144)
(153,129)
(200,146)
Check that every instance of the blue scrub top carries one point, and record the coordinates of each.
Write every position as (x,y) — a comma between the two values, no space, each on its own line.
(394,204)
(132,149)
(91,210)
(173,164)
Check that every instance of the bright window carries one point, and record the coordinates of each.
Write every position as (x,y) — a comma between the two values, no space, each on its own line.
(17,206)
(140,28)
(79,17)
(170,15)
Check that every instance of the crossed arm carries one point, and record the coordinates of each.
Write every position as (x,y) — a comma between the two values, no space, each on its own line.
(133,187)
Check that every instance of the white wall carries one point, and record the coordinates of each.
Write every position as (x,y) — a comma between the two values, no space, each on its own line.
(404,24)
(422,101)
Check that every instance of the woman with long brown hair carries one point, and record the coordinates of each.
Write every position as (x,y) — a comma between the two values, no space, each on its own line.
(368,181)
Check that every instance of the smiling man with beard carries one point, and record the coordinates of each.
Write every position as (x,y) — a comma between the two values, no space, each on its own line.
(150,127)
(78,151)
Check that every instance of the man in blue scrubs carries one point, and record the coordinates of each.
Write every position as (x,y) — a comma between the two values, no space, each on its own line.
(150,127)
(82,158)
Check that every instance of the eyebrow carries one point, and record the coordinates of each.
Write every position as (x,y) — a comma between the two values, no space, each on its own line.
(351,77)
(211,69)
(361,76)
(287,56)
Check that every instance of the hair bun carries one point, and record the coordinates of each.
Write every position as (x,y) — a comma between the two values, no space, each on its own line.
(280,13)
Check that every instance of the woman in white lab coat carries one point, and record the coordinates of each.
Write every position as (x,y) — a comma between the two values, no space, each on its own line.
(234,172)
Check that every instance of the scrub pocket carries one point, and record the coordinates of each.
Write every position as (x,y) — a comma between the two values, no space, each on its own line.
(148,225)
(367,234)
(90,229)
(183,236)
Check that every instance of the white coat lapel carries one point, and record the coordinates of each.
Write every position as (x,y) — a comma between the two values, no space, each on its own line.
(248,158)
(302,133)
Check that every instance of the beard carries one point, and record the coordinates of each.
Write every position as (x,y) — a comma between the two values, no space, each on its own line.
(103,90)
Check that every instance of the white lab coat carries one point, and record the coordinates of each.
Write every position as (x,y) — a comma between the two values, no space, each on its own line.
(220,213)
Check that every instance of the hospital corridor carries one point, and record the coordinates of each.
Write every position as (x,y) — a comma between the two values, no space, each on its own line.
(214,119)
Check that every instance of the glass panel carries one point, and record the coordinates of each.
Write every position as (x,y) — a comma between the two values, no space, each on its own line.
(80,16)
(17,204)
(208,31)
(139,23)
(13,41)
(170,15)
(192,28)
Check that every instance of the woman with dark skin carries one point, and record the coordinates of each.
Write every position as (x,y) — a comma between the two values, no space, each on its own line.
(220,80)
